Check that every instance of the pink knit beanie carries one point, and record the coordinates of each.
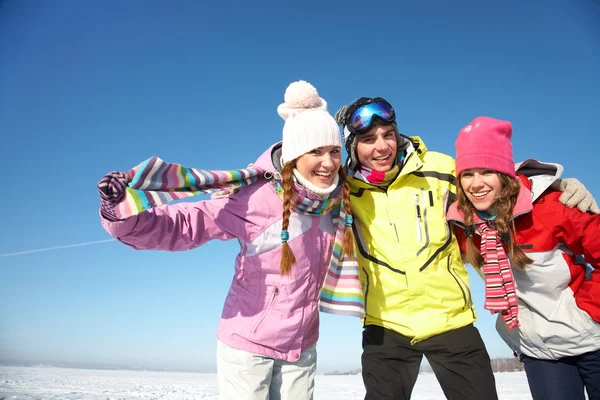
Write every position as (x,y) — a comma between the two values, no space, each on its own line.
(485,143)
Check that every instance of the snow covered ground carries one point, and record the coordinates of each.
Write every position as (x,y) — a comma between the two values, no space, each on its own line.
(46,383)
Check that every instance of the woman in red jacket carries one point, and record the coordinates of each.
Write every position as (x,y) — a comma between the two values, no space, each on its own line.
(533,253)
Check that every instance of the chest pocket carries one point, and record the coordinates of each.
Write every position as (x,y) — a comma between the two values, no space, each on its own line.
(419,219)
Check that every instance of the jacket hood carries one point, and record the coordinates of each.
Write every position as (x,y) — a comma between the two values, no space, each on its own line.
(266,160)
(541,175)
(417,144)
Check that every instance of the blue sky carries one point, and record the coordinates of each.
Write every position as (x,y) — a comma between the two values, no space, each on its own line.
(88,87)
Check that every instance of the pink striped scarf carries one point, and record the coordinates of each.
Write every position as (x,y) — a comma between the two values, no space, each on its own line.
(500,295)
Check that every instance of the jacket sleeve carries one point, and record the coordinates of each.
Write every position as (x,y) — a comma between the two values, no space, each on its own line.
(182,226)
(452,185)
(580,232)
(448,170)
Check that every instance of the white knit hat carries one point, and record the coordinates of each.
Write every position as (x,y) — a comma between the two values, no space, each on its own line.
(308,124)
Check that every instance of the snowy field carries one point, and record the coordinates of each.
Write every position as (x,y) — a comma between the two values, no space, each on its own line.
(86,384)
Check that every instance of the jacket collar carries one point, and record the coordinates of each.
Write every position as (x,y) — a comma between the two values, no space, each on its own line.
(542,175)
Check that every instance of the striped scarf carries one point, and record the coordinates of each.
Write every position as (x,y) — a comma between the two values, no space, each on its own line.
(156,182)
(378,178)
(382,179)
(304,205)
(342,292)
(500,295)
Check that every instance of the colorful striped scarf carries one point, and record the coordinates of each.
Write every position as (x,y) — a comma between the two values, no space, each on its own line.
(500,295)
(383,179)
(156,182)
(304,205)
(342,292)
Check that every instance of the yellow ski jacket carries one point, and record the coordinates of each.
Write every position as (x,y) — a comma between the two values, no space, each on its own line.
(413,277)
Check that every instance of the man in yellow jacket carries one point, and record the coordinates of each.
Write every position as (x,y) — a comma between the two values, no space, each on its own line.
(415,285)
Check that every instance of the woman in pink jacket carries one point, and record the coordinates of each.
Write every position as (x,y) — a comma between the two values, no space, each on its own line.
(533,252)
(285,213)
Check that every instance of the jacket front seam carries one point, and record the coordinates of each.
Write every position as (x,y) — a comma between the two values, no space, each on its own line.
(438,251)
(365,254)
(457,282)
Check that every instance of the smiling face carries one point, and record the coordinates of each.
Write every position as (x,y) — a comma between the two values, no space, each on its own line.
(320,166)
(482,187)
(376,148)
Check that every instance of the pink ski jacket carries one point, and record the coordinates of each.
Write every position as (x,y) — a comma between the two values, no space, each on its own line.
(264,312)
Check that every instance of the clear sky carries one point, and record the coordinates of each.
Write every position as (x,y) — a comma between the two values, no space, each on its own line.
(88,87)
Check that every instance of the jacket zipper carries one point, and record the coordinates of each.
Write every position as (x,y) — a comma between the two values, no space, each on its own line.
(418,219)
(423,195)
(267,309)
(425,217)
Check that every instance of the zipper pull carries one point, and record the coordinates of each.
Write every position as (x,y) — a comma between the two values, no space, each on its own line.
(418,206)
(418,219)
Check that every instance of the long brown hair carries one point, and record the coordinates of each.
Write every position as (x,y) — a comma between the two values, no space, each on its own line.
(503,206)
(288,259)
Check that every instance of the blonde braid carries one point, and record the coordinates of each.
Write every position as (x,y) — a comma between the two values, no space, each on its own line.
(348,242)
(287,255)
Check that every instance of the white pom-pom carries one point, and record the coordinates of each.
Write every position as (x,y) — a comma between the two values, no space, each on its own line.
(302,94)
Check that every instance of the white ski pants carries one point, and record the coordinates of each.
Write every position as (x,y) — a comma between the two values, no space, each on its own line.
(247,376)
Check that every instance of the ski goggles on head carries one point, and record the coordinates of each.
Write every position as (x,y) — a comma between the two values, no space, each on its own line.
(362,115)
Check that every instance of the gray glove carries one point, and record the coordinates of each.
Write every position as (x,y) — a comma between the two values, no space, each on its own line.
(574,193)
